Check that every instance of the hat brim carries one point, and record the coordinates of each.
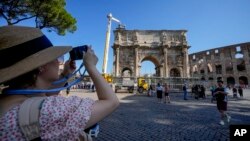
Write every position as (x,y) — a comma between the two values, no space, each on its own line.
(32,62)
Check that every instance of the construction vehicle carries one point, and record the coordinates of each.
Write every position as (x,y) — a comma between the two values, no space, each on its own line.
(142,85)
(128,84)
(108,77)
(124,83)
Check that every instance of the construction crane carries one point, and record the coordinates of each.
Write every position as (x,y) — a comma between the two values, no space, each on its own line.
(106,50)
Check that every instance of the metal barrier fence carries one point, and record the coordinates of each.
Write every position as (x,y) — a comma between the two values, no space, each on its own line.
(173,82)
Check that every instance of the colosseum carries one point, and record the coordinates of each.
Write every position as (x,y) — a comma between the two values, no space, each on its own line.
(229,63)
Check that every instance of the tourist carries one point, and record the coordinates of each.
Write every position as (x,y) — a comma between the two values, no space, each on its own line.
(221,97)
(184,88)
(240,91)
(159,90)
(29,62)
(166,91)
(234,92)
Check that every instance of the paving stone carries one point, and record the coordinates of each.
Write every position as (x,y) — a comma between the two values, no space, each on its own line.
(142,118)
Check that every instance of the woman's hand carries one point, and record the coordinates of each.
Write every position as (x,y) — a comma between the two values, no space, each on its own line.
(89,58)
(69,67)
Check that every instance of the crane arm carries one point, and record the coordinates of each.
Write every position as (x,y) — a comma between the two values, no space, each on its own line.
(106,50)
(114,19)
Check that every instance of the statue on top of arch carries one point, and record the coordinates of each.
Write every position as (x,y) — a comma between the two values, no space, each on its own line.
(164,38)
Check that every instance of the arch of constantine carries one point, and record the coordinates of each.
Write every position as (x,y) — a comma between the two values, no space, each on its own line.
(167,49)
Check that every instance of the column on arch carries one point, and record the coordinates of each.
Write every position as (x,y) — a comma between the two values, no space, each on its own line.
(117,61)
(136,62)
(185,60)
(165,67)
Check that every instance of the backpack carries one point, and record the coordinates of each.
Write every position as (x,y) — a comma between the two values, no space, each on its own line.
(28,119)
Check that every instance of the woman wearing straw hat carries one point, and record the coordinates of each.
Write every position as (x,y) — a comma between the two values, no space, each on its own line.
(28,61)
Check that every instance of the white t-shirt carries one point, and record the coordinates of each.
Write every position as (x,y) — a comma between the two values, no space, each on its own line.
(159,88)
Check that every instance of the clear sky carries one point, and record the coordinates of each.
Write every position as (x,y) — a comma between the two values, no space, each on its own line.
(210,23)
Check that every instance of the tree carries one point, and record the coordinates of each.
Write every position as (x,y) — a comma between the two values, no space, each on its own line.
(49,14)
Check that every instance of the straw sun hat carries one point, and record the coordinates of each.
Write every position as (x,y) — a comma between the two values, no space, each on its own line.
(23,49)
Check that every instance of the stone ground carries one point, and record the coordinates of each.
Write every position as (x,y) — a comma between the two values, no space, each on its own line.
(142,118)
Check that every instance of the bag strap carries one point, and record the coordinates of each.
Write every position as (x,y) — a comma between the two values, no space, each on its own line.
(28,118)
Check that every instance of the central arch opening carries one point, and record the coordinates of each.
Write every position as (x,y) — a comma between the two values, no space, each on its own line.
(148,67)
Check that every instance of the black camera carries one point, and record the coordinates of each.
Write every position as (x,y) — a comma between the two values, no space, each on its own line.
(77,52)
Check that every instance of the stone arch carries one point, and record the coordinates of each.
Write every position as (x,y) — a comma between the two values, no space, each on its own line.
(154,60)
(210,78)
(229,66)
(203,78)
(201,66)
(131,47)
(219,78)
(174,72)
(243,80)
(230,80)
(218,68)
(241,66)
(239,55)
(202,71)
(126,72)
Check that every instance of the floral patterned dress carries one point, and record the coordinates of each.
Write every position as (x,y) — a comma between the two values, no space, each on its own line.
(60,119)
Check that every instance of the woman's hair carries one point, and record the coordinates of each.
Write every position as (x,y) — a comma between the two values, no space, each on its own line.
(23,81)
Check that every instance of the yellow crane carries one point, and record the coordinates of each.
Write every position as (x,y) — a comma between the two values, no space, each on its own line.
(106,76)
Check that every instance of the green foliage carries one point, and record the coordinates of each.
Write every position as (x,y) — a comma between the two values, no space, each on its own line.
(49,14)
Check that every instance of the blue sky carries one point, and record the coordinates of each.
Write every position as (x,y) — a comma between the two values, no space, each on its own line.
(210,23)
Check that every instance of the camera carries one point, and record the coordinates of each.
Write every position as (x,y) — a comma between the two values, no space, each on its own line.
(77,52)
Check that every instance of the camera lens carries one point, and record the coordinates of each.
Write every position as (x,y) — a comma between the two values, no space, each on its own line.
(77,52)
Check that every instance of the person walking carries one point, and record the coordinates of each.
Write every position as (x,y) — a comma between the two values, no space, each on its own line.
(196,91)
(184,88)
(221,97)
(166,92)
(240,91)
(212,88)
(150,90)
(159,90)
(234,92)
(203,92)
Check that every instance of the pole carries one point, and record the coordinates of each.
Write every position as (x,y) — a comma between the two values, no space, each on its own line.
(106,50)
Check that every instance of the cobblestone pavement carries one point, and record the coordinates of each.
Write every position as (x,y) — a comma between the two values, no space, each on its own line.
(142,118)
